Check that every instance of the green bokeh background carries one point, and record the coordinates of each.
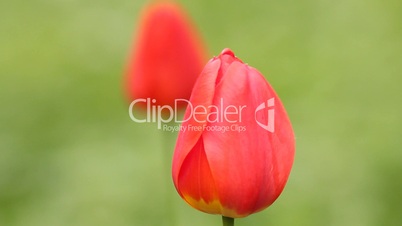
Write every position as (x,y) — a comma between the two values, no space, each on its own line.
(69,154)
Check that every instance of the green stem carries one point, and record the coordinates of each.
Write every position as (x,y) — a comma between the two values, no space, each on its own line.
(169,139)
(227,221)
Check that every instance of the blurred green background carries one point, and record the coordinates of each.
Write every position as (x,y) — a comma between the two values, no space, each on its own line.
(69,154)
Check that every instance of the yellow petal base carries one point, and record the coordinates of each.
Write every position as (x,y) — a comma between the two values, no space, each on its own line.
(214,207)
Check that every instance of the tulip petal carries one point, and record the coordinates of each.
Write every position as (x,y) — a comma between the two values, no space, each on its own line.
(232,155)
(196,183)
(188,138)
(282,143)
(230,162)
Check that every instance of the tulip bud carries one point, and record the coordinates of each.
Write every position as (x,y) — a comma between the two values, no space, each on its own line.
(236,146)
(167,57)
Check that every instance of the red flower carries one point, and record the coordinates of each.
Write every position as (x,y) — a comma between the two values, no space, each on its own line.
(167,58)
(235,151)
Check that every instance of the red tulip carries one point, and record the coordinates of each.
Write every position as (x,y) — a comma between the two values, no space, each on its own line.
(236,147)
(167,57)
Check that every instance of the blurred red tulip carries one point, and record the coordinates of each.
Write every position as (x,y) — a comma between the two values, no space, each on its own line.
(236,148)
(167,57)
